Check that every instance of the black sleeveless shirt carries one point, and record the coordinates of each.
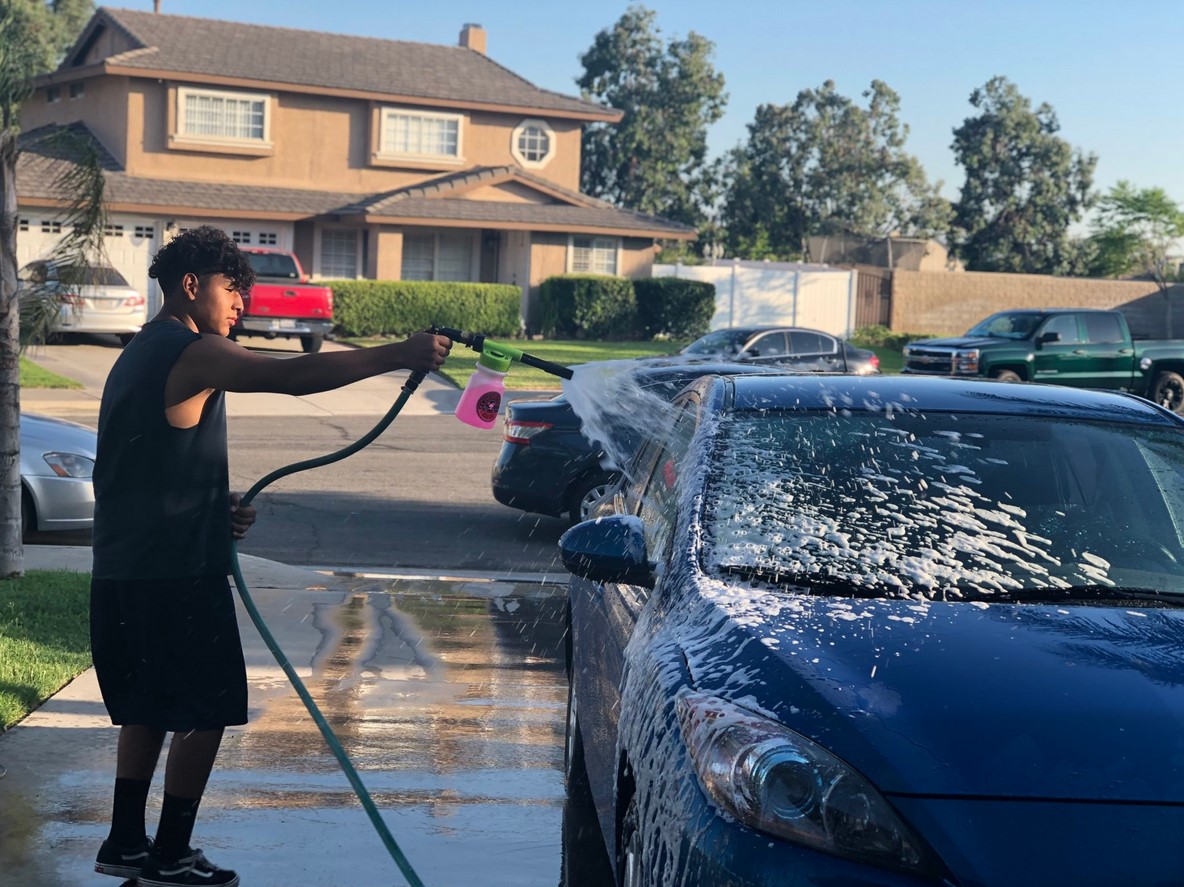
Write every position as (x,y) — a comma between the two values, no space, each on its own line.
(162,494)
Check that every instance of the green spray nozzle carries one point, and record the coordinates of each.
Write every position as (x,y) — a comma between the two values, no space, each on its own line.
(478,342)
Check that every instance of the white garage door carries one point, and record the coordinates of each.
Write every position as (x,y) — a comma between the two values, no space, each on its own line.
(130,242)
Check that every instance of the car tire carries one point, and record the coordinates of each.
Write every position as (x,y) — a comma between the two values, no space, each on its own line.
(126,338)
(28,515)
(584,495)
(311,343)
(1006,376)
(1168,391)
(630,866)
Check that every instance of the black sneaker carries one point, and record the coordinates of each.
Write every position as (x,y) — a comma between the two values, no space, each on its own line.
(193,868)
(122,862)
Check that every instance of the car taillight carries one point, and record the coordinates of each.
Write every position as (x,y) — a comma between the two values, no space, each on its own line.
(70,299)
(521,432)
(874,360)
(133,301)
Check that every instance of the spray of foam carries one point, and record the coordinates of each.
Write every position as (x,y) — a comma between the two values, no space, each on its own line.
(617,408)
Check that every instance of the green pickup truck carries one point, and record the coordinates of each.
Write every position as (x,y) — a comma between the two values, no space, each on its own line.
(1085,349)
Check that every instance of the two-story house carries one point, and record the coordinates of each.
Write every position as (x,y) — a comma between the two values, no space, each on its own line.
(369,158)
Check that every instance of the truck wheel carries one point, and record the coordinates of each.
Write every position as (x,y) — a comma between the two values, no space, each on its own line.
(311,344)
(1007,376)
(1169,391)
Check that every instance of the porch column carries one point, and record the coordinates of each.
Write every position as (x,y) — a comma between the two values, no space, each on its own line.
(386,256)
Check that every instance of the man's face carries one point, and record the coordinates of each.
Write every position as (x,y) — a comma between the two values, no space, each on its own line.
(216,306)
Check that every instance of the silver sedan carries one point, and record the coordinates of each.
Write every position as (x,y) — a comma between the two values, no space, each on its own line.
(57,461)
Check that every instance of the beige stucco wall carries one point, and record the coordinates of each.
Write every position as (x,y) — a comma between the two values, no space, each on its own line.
(386,254)
(103,108)
(949,304)
(327,144)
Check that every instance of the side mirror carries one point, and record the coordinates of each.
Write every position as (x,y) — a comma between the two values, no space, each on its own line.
(1045,338)
(608,549)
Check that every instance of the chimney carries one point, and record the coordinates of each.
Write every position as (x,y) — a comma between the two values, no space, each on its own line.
(473,37)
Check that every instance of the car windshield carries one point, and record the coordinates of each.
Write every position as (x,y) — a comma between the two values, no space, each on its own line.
(946,506)
(273,265)
(1007,325)
(718,342)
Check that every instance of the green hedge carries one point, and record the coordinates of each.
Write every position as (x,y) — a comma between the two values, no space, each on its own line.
(588,306)
(879,336)
(402,307)
(674,307)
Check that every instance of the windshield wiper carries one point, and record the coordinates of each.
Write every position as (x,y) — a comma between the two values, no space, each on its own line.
(821,583)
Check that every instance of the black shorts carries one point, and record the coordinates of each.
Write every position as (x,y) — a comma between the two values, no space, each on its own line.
(167,652)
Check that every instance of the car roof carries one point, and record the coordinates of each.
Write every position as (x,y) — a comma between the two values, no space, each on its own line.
(919,393)
(753,330)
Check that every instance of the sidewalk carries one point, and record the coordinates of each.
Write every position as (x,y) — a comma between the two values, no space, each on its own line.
(403,699)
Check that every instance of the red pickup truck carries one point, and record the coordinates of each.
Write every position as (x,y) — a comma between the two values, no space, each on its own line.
(283,303)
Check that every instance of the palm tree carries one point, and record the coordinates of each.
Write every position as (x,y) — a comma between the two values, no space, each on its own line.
(33,37)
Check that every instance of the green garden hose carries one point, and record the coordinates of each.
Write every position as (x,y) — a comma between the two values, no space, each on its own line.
(347,766)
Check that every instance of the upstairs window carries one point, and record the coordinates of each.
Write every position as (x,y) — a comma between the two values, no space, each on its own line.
(420,135)
(533,143)
(593,255)
(209,115)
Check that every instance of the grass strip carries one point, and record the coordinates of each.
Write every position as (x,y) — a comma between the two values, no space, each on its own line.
(44,638)
(34,376)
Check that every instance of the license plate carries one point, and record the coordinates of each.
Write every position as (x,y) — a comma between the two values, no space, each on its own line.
(284,323)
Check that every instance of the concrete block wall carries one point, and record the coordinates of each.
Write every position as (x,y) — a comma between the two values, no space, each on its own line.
(949,304)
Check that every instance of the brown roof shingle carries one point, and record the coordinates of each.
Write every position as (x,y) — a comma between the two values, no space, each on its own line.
(199,46)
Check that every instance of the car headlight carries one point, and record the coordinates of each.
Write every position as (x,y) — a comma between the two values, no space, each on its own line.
(779,782)
(966,361)
(70,464)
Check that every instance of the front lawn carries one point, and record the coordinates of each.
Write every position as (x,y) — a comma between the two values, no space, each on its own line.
(44,638)
(34,376)
(521,377)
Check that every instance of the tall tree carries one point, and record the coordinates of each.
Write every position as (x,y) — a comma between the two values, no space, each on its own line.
(826,165)
(33,37)
(1025,186)
(655,159)
(1134,231)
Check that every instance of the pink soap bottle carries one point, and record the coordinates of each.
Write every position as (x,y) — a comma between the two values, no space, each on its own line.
(482,397)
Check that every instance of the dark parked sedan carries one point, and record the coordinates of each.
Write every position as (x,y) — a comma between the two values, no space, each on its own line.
(547,466)
(791,347)
(891,631)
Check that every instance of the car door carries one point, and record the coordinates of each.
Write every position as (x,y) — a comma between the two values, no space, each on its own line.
(605,615)
(1062,360)
(767,349)
(1108,355)
(814,352)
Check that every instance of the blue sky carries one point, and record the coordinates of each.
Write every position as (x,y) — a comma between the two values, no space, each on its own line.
(1110,70)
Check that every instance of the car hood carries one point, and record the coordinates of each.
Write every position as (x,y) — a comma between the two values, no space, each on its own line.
(961,699)
(961,342)
(44,434)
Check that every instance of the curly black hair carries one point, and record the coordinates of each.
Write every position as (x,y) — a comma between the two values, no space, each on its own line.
(201,251)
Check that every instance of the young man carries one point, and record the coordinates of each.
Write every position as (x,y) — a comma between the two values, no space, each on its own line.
(164,636)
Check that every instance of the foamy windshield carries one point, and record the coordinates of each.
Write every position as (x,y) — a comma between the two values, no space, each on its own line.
(946,505)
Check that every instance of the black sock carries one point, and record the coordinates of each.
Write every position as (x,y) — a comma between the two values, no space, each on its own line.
(127,813)
(176,826)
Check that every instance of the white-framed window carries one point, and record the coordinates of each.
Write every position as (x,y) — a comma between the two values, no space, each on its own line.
(438,256)
(592,255)
(533,143)
(223,116)
(145,232)
(240,236)
(268,238)
(420,135)
(49,226)
(339,252)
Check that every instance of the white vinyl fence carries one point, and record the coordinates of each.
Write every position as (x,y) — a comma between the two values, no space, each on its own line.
(775,293)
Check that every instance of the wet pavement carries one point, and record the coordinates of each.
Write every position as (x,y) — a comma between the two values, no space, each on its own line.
(448,695)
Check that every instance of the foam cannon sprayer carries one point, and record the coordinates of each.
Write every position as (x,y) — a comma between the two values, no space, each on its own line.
(482,397)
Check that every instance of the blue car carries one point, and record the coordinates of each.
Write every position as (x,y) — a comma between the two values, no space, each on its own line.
(883,631)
